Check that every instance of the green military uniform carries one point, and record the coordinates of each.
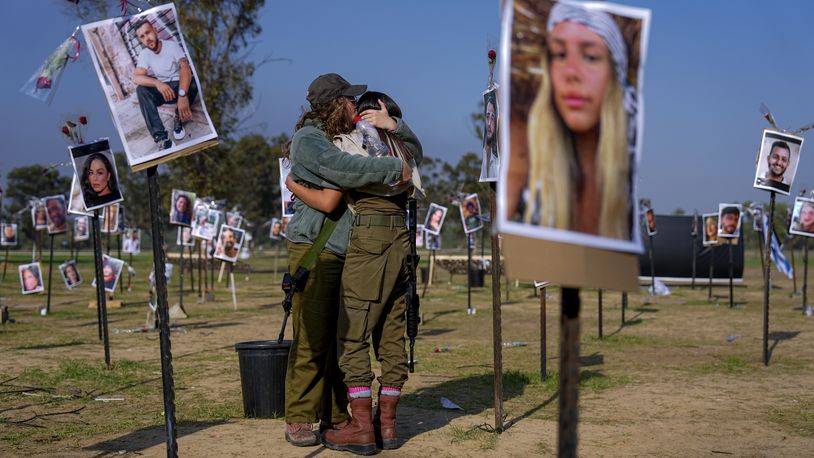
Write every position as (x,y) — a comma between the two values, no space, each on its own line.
(312,376)
(374,283)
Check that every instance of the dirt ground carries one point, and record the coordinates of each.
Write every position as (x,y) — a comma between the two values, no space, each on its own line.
(682,377)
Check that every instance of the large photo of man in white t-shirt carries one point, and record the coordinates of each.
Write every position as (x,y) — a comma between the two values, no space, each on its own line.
(151,86)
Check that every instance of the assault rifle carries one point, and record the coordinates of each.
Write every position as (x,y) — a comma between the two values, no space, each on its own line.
(412,295)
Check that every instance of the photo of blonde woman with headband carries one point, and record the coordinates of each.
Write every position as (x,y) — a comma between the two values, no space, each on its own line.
(574,123)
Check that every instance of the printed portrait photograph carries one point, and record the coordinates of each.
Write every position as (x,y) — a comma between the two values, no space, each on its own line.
(286,196)
(132,241)
(70,274)
(710,229)
(757,218)
(802,217)
(276,231)
(39,219)
(229,241)
(110,219)
(490,166)
(650,221)
(419,235)
(575,79)
(234,219)
(111,271)
(470,213)
(777,161)
(76,204)
(284,224)
(729,220)
(200,217)
(181,212)
(95,166)
(56,212)
(31,278)
(185,237)
(212,221)
(435,219)
(433,241)
(81,228)
(151,86)
(8,234)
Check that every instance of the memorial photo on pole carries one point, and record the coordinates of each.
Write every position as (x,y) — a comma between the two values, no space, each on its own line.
(575,73)
(38,215)
(276,231)
(80,229)
(470,213)
(419,235)
(8,234)
(110,219)
(286,196)
(70,274)
(201,215)
(132,241)
(111,270)
(757,218)
(229,242)
(234,219)
(777,161)
(650,221)
(76,204)
(151,86)
(729,221)
(95,166)
(185,237)
(802,218)
(57,214)
(31,278)
(710,229)
(435,219)
(490,167)
(433,241)
(181,211)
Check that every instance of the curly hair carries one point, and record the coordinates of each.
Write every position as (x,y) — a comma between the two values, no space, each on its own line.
(332,117)
(87,190)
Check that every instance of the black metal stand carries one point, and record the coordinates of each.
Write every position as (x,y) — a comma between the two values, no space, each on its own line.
(761,237)
(497,323)
(694,257)
(624,306)
(731,274)
(200,267)
(119,255)
(543,350)
(469,274)
(793,271)
(599,292)
(181,282)
(163,313)
(652,268)
(767,280)
(805,275)
(5,264)
(191,271)
(50,276)
(711,269)
(101,298)
(569,374)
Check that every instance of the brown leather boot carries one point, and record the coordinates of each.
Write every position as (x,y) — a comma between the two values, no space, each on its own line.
(384,423)
(358,436)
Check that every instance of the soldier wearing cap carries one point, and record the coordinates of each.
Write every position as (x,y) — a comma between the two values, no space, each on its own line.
(315,390)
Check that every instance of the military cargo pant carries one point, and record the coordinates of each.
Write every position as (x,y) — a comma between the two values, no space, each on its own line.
(374,282)
(314,389)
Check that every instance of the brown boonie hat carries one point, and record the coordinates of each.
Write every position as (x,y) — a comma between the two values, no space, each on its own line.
(330,86)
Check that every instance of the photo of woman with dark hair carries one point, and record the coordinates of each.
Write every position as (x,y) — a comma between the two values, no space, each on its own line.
(96,168)
(181,212)
(31,278)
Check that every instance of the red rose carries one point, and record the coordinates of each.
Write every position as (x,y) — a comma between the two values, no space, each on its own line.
(492,54)
(83,120)
(43,82)
(65,130)
(70,124)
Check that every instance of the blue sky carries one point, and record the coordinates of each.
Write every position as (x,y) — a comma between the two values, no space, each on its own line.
(709,67)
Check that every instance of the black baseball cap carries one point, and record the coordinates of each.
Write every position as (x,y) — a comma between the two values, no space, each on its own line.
(330,86)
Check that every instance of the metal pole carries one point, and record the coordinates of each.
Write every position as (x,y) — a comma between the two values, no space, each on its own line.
(542,334)
(805,275)
(569,373)
(624,306)
(50,275)
(5,264)
(469,274)
(793,271)
(652,268)
(163,313)
(711,269)
(600,313)
(760,240)
(200,266)
(694,256)
(119,255)
(497,322)
(181,282)
(731,274)
(191,270)
(767,277)
(101,299)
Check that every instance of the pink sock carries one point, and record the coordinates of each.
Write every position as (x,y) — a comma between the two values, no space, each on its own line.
(390,391)
(355,392)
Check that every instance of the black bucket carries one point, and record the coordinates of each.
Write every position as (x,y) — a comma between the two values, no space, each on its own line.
(262,377)
(425,274)
(476,277)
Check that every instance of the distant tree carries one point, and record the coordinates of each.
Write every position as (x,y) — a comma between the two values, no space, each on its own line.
(679,211)
(28,182)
